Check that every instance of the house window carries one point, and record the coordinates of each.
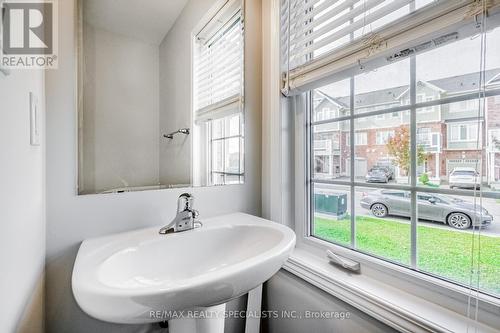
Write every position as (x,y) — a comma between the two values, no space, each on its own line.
(494,139)
(463,132)
(424,135)
(320,115)
(218,96)
(329,113)
(226,146)
(360,138)
(322,164)
(322,147)
(383,137)
(325,113)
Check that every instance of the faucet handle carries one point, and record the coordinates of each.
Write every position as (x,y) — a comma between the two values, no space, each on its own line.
(184,202)
(195,213)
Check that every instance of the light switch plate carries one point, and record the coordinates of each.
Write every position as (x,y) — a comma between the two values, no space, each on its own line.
(34,120)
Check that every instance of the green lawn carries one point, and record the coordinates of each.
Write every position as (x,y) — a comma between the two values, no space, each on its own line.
(443,252)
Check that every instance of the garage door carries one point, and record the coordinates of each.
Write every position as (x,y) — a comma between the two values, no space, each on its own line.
(459,163)
(360,167)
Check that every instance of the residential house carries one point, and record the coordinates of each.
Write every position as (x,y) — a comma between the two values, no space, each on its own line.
(448,133)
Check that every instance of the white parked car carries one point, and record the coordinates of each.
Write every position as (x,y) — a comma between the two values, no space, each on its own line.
(464,177)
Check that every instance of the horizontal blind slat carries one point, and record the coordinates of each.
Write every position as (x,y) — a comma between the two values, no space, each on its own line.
(353,27)
(218,67)
(310,28)
(430,24)
(329,14)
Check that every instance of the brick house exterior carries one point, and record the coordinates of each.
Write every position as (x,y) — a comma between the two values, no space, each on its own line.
(448,132)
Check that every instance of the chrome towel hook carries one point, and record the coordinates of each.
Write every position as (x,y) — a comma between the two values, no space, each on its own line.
(185,131)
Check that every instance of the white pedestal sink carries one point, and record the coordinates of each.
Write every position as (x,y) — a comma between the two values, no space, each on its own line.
(144,277)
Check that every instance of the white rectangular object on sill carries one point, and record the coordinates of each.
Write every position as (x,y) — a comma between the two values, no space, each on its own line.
(34,120)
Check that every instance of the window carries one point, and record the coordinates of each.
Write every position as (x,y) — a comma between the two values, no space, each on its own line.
(322,164)
(424,98)
(218,98)
(363,212)
(434,50)
(424,136)
(463,132)
(494,139)
(226,147)
(383,137)
(360,138)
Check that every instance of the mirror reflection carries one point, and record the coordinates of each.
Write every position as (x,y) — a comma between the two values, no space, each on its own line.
(160,96)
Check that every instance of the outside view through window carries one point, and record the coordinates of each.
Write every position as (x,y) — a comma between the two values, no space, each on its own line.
(458,148)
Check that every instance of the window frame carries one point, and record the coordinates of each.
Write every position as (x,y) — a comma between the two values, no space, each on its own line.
(224,139)
(304,205)
(364,135)
(435,289)
(388,134)
(469,129)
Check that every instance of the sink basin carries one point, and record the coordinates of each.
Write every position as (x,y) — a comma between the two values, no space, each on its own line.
(124,278)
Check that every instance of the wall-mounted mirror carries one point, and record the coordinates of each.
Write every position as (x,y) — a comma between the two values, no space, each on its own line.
(160,95)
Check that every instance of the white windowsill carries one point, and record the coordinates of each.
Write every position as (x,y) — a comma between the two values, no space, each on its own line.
(387,303)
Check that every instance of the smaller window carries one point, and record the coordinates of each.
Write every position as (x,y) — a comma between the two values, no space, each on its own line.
(424,136)
(322,164)
(226,159)
(361,139)
(383,137)
(427,108)
(494,139)
(463,132)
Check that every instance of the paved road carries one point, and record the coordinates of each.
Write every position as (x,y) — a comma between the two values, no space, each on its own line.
(490,204)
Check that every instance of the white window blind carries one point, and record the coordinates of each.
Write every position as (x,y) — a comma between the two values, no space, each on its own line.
(218,65)
(325,39)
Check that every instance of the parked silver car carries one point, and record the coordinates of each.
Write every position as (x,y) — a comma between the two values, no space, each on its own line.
(378,174)
(453,211)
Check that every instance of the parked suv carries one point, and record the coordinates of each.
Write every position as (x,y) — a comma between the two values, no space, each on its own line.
(453,211)
(379,174)
(464,178)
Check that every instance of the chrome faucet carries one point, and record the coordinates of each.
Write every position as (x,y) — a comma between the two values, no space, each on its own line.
(185,218)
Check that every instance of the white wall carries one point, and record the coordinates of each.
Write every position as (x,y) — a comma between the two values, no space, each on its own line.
(71,218)
(175,99)
(22,205)
(120,111)
(286,292)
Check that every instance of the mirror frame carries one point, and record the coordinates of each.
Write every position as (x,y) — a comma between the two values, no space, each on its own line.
(203,21)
